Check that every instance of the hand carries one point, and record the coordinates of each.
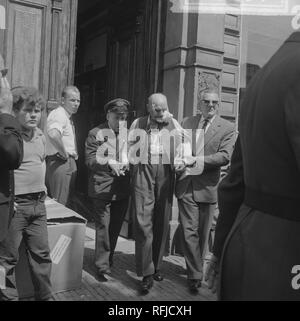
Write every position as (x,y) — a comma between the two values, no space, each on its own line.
(124,168)
(116,168)
(212,274)
(167,116)
(182,164)
(189,161)
(15,207)
(6,99)
(63,157)
(179,168)
(74,155)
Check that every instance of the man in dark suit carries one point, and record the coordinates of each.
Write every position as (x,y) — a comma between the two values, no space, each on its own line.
(11,154)
(108,182)
(197,192)
(257,240)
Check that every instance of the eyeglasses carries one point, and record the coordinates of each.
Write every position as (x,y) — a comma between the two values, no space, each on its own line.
(158,107)
(210,102)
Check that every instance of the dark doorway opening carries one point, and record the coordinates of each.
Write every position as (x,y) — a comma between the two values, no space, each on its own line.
(118,55)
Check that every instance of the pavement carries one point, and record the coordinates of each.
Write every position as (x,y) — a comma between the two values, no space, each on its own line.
(123,283)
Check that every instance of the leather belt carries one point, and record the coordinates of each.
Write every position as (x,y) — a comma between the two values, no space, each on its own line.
(57,157)
(32,196)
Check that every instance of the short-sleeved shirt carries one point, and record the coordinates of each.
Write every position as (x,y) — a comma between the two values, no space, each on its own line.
(60,119)
(30,176)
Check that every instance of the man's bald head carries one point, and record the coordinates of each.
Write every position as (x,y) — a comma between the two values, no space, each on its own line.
(69,90)
(158,98)
(157,106)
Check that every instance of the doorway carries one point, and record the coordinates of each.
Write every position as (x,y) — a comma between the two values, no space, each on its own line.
(118,55)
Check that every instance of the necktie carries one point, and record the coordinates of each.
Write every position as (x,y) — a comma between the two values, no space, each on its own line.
(205,124)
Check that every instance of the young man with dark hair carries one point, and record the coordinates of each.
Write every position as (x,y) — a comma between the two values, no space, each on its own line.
(30,221)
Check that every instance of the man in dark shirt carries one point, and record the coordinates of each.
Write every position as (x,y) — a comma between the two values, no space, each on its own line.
(108,183)
(11,153)
(257,239)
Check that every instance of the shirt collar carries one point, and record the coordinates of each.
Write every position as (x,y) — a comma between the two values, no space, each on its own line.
(155,125)
(36,133)
(67,113)
(209,120)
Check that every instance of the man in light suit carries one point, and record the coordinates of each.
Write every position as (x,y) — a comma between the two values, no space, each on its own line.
(197,193)
(257,240)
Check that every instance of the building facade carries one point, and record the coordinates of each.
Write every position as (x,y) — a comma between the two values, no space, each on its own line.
(132,48)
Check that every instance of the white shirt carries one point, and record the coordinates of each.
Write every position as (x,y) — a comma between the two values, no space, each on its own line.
(59,119)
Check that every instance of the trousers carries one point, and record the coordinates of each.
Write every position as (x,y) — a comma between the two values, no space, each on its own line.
(61,178)
(29,224)
(195,223)
(109,217)
(152,202)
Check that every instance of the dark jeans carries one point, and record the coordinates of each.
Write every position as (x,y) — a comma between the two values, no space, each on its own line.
(28,224)
(109,217)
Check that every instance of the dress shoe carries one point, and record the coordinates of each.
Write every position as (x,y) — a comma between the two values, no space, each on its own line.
(157,276)
(194,285)
(147,284)
(46,299)
(101,276)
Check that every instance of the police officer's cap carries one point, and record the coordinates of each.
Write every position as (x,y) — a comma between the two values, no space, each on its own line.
(119,106)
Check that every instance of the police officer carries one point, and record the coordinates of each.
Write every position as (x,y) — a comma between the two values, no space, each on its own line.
(108,182)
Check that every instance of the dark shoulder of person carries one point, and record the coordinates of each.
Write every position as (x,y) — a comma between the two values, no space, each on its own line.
(11,142)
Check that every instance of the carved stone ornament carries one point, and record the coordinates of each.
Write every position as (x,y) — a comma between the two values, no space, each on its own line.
(207,81)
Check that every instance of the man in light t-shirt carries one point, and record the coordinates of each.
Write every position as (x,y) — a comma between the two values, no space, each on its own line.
(61,147)
(30,220)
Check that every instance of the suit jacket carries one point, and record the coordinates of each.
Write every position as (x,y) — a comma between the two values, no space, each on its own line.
(11,155)
(265,171)
(218,146)
(102,183)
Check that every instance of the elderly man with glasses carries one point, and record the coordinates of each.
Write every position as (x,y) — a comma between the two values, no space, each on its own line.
(153,178)
(197,193)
